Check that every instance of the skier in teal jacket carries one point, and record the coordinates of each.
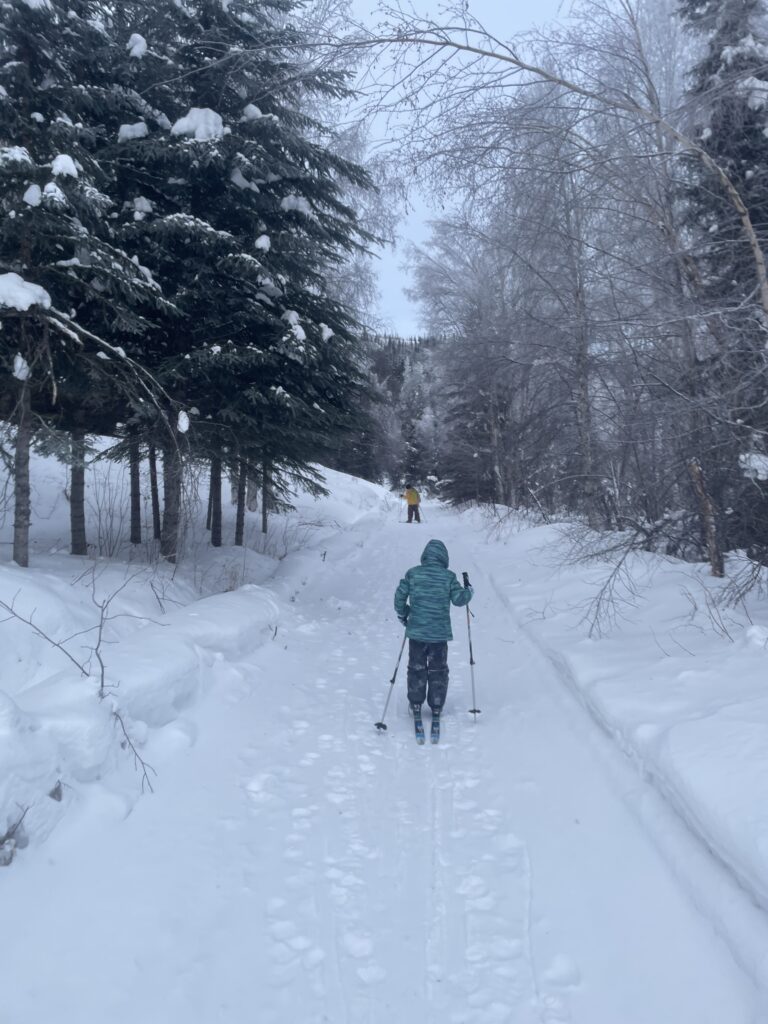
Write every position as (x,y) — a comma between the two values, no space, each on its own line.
(423,602)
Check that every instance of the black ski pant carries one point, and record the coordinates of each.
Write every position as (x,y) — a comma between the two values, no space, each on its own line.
(413,510)
(427,673)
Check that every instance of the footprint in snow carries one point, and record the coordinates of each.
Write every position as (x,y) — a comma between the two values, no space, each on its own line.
(371,974)
(358,944)
(314,958)
(338,797)
(508,843)
(259,788)
(472,886)
(307,627)
(282,930)
(469,782)
(552,1010)
(563,972)
(346,879)
(465,805)
(308,760)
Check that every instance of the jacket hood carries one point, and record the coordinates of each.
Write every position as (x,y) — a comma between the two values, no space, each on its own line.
(435,553)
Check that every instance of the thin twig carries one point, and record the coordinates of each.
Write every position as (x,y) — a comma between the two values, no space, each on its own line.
(13,614)
(138,760)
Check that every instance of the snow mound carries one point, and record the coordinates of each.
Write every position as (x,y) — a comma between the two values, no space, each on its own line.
(54,195)
(64,166)
(128,132)
(16,293)
(201,123)
(33,196)
(20,367)
(238,178)
(136,46)
(59,732)
(17,156)
(296,203)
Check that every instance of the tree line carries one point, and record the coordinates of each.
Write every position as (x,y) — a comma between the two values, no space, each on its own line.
(598,286)
(173,217)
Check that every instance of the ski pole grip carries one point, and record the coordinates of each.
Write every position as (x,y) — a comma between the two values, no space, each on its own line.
(465,577)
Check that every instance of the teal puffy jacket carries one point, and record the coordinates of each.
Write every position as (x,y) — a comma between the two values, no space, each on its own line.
(425,595)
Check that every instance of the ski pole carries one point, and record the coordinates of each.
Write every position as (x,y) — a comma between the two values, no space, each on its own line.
(474,710)
(380,725)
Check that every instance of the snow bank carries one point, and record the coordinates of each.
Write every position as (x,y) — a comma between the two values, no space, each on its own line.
(59,734)
(163,647)
(158,671)
(677,681)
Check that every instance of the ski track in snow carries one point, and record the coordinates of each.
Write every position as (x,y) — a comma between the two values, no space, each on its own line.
(389,911)
(298,867)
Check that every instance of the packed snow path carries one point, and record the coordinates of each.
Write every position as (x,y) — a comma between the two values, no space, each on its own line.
(295,866)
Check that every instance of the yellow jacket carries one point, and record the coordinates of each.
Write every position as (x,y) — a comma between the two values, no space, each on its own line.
(412,496)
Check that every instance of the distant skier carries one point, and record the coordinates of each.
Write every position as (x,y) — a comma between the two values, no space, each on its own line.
(423,602)
(413,498)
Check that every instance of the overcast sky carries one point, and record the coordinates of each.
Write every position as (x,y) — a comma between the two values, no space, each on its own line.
(504,18)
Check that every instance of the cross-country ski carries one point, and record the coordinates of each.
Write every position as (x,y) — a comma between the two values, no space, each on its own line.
(434,729)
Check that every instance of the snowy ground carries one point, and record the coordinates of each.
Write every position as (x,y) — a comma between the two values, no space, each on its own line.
(295,866)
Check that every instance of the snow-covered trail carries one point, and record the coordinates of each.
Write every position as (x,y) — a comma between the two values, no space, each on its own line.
(297,867)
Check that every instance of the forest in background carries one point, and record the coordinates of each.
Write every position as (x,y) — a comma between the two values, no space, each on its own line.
(597,294)
(594,291)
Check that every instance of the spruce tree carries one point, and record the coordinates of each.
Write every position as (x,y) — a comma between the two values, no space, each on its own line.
(57,230)
(235,198)
(729,94)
